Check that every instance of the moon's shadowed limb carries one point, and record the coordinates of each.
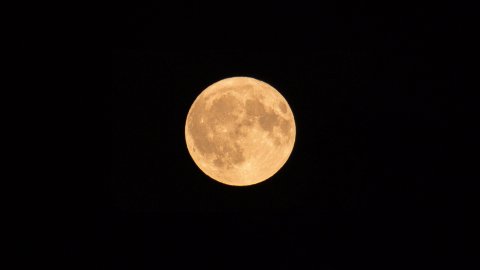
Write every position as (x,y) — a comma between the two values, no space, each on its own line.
(240,131)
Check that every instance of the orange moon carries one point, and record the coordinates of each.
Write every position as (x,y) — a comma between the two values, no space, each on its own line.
(240,131)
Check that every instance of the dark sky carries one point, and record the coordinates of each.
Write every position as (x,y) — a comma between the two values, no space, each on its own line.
(375,92)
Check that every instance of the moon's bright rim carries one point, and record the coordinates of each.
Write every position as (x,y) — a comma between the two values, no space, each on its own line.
(240,131)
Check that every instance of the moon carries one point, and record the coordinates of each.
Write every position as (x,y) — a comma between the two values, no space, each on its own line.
(240,131)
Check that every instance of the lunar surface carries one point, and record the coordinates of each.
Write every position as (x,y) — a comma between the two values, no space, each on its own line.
(240,131)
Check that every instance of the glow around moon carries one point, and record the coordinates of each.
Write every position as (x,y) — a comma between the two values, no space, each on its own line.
(240,131)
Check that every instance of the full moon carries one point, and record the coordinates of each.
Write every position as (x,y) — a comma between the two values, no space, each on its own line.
(240,131)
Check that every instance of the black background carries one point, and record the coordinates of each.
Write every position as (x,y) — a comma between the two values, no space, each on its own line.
(376,93)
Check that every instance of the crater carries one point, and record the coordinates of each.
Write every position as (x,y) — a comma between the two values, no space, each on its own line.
(254,107)
(276,141)
(285,127)
(283,107)
(244,88)
(247,121)
(198,130)
(268,121)
(240,130)
(237,156)
(218,162)
(207,127)
(224,109)
(227,155)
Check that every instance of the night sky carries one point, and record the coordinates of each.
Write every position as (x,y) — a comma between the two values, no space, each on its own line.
(375,92)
